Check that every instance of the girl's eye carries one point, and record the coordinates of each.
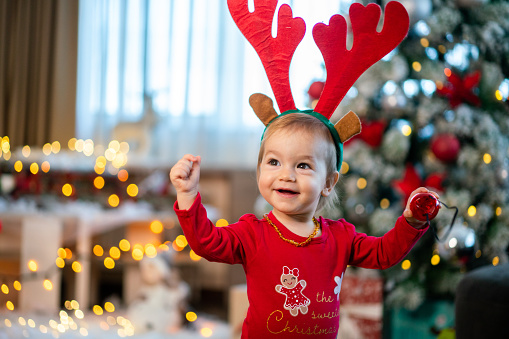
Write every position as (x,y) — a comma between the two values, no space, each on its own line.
(303,166)
(273,162)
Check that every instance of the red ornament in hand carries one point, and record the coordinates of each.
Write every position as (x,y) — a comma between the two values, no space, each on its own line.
(424,206)
(445,147)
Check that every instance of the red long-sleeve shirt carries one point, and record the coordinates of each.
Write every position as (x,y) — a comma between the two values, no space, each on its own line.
(270,263)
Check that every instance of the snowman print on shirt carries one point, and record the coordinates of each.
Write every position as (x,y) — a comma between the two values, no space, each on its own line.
(292,288)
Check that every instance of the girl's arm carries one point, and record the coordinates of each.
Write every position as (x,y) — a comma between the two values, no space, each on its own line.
(185,176)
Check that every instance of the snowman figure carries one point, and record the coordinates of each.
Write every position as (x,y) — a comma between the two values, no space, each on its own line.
(161,301)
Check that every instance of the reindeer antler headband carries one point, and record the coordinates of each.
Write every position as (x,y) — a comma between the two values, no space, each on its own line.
(343,66)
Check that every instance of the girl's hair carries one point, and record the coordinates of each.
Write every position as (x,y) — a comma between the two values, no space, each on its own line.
(301,122)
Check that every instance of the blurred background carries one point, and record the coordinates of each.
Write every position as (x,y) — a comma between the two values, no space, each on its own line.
(99,98)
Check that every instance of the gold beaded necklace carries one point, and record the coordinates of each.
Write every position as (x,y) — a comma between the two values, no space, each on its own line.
(293,242)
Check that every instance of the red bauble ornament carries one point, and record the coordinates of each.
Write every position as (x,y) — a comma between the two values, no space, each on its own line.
(445,147)
(315,90)
(424,206)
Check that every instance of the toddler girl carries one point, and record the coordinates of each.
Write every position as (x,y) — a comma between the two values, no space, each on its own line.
(294,262)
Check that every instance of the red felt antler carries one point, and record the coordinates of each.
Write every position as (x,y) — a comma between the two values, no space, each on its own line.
(344,66)
(275,53)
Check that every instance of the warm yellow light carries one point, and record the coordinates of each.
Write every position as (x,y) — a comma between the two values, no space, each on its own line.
(55,147)
(74,305)
(114,145)
(79,314)
(406,264)
(150,250)
(191,316)
(206,332)
(110,154)
(472,211)
(361,183)
(124,147)
(498,211)
(132,190)
(406,130)
(385,203)
(442,49)
(98,310)
(88,147)
(76,266)
(109,307)
(109,263)
(498,95)
(60,262)
(113,200)
(46,149)
(137,254)
(31,323)
(114,252)
(101,162)
(194,256)
(48,285)
(222,223)
(34,168)
(124,245)
(9,305)
(123,175)
(17,285)
(25,151)
(486,158)
(495,261)
(345,168)
(176,247)
(72,144)
(18,166)
(478,254)
(164,247)
(32,265)
(435,260)
(424,42)
(68,253)
(98,170)
(7,156)
(119,160)
(181,241)
(416,66)
(99,182)
(45,166)
(5,289)
(67,190)
(156,226)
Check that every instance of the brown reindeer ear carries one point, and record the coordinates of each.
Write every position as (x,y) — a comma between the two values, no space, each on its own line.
(263,107)
(348,126)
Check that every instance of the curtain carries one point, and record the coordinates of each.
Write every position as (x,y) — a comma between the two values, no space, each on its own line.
(37,70)
(196,68)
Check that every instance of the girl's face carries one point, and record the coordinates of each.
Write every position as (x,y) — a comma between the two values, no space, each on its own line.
(293,173)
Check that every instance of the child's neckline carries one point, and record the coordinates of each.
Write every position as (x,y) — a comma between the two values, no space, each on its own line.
(286,235)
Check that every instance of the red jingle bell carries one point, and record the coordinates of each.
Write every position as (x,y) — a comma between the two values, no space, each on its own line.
(424,206)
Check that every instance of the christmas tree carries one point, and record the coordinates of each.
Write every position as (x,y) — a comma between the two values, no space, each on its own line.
(435,113)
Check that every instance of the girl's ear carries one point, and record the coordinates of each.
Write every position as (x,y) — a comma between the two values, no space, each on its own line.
(332,180)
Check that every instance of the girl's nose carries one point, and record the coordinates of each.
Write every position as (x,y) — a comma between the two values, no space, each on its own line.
(287,174)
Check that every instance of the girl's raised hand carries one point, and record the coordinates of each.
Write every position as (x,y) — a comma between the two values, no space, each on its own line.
(185,176)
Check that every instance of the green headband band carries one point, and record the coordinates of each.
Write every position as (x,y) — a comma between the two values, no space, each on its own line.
(334,133)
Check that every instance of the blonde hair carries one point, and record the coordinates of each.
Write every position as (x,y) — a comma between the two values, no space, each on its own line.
(301,122)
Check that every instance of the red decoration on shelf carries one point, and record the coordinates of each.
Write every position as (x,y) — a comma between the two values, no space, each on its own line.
(445,147)
(372,132)
(412,180)
(459,90)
